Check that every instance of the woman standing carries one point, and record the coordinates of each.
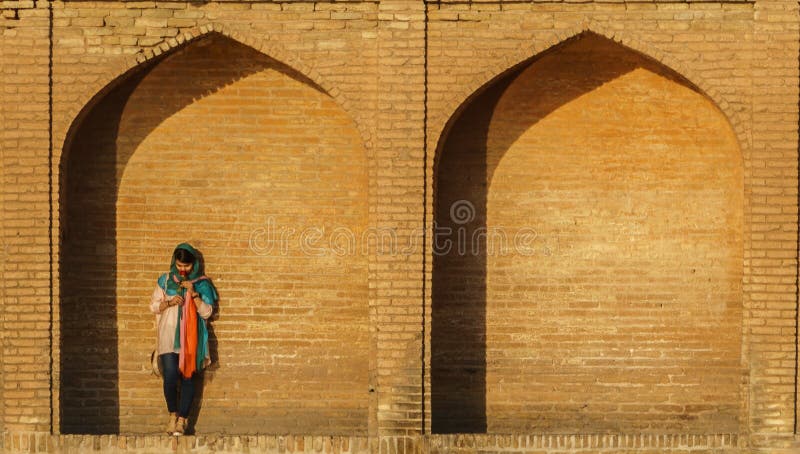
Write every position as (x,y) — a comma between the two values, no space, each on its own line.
(181,296)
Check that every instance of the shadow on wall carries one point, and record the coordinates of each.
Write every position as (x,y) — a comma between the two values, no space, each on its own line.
(97,149)
(466,161)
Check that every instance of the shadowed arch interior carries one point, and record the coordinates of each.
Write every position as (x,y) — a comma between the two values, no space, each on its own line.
(213,143)
(593,281)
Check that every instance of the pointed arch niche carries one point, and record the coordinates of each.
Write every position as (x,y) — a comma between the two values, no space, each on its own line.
(220,145)
(599,199)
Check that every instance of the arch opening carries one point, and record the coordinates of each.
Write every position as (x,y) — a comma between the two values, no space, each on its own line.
(216,144)
(593,200)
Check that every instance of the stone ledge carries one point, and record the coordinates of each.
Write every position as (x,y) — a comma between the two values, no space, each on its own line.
(42,442)
(464,443)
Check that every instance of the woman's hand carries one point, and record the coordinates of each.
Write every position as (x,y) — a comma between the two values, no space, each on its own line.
(167,303)
(187,285)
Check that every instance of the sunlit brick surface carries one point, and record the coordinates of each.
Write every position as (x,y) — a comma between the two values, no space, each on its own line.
(651,147)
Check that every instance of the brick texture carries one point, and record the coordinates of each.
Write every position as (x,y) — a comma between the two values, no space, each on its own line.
(652,147)
(400,142)
(771,321)
(2,235)
(26,207)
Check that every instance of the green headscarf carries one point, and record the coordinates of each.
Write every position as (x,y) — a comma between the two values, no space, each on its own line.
(203,287)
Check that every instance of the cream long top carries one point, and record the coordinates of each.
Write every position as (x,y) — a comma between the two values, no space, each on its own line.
(167,320)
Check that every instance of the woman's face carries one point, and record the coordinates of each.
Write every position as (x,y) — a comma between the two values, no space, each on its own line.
(183,267)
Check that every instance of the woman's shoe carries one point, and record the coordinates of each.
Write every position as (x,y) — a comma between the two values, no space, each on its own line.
(180,427)
(173,420)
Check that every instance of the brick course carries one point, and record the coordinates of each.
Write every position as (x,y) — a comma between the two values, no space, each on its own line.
(385,84)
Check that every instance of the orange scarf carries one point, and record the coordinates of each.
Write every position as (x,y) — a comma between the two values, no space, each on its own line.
(187,359)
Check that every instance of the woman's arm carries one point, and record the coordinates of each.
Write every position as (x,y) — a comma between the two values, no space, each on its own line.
(156,300)
(204,309)
(159,301)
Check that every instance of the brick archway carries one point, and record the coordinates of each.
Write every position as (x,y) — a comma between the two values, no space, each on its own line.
(235,144)
(629,183)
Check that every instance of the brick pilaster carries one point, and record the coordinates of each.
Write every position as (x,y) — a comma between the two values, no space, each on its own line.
(26,213)
(770,268)
(2,234)
(399,152)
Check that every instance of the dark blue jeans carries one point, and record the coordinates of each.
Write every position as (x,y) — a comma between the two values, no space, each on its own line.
(169,367)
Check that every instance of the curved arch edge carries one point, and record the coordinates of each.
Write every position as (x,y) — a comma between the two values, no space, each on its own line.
(454,105)
(122,69)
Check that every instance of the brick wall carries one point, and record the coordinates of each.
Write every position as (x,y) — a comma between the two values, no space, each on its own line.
(396,81)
